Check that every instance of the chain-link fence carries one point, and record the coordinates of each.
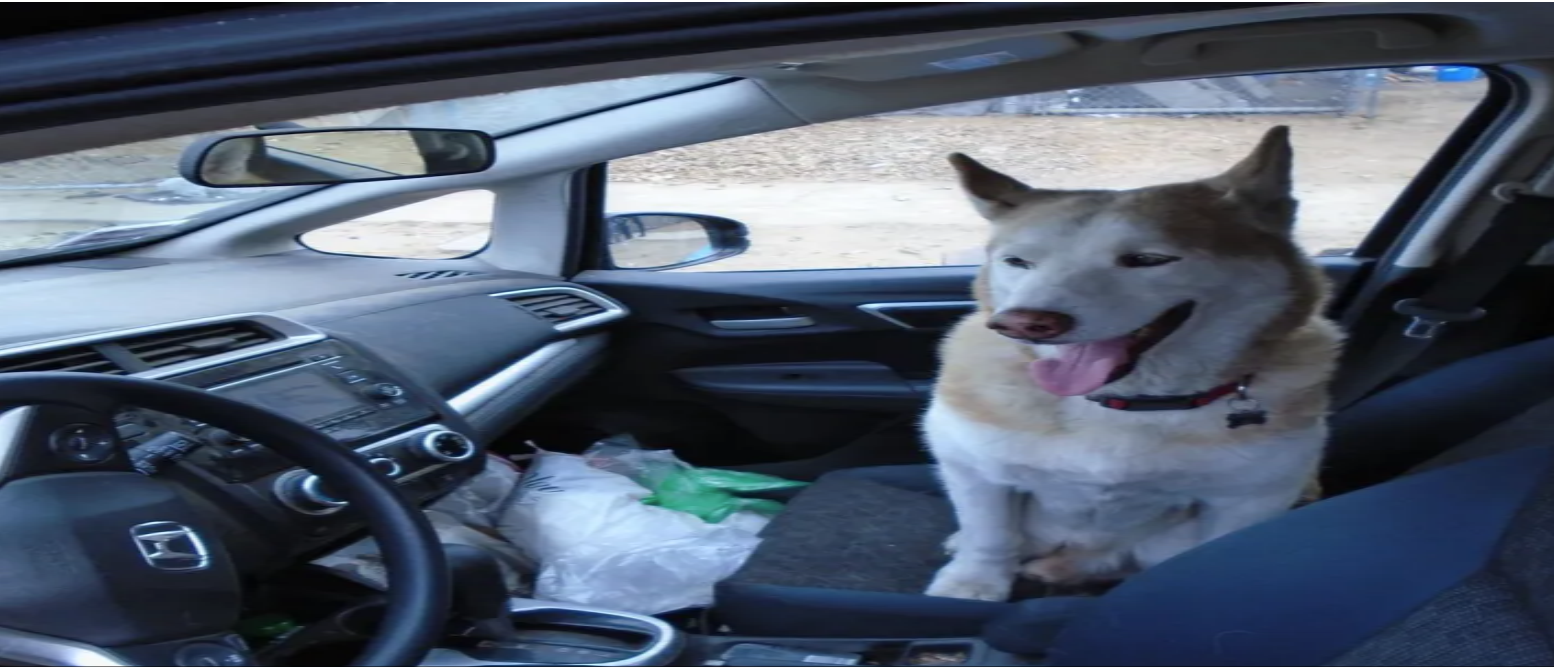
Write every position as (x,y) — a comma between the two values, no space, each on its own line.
(1350,92)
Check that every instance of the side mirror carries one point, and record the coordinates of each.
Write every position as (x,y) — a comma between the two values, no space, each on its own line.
(328,156)
(658,241)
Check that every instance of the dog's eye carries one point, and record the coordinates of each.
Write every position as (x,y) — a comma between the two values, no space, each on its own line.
(1140,260)
(1016,262)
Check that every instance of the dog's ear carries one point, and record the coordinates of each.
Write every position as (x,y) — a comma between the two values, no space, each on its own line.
(1263,180)
(993,192)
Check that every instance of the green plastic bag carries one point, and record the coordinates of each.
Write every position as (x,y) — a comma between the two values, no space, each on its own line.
(709,494)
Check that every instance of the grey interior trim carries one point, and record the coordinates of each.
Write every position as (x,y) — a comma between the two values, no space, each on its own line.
(613,310)
(530,224)
(294,334)
(25,648)
(764,323)
(13,433)
(881,310)
(665,646)
(497,403)
(1460,212)
(476,397)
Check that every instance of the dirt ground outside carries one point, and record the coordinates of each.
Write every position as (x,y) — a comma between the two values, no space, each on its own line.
(872,192)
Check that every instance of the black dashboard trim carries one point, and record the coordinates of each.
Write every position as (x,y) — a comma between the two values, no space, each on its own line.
(295,334)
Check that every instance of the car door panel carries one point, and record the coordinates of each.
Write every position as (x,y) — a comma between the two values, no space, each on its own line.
(795,363)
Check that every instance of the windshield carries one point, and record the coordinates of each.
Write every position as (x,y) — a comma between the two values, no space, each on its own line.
(106,197)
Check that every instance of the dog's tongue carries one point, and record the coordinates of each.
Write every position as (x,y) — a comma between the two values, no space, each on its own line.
(1080,368)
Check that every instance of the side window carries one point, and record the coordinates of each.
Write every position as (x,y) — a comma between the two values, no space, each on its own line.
(876,192)
(446,227)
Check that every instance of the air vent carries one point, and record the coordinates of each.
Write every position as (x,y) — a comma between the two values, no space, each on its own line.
(166,348)
(71,359)
(562,307)
(436,275)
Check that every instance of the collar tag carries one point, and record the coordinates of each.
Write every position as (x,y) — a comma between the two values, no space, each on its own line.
(1245,410)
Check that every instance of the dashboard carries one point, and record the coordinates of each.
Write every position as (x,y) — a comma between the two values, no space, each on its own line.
(414,368)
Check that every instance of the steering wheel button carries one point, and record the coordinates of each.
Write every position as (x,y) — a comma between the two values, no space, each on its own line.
(84,443)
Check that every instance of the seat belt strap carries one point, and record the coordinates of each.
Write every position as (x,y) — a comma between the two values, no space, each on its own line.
(1522,228)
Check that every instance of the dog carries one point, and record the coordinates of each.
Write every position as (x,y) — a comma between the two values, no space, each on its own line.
(1146,370)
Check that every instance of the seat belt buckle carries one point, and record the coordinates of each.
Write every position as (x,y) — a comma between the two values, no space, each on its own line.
(1426,322)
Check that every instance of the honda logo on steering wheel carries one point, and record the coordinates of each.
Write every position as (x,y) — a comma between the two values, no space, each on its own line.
(171,546)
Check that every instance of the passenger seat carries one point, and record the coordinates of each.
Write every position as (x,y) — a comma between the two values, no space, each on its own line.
(851,554)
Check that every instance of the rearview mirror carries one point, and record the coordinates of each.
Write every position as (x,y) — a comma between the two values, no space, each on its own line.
(327,156)
(659,241)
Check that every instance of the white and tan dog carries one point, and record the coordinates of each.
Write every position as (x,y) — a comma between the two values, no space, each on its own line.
(1147,371)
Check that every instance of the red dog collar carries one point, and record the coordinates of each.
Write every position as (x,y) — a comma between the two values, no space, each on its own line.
(1181,402)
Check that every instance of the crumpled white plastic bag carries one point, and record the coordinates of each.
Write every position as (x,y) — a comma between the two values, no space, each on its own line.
(598,545)
(465,516)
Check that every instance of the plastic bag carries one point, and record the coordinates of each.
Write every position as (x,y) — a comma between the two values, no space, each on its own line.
(598,544)
(703,492)
(467,516)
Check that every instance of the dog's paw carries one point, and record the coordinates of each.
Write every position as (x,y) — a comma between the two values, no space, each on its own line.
(1068,569)
(972,582)
(1056,570)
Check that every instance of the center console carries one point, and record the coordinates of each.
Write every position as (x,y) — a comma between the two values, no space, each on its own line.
(408,437)
(553,633)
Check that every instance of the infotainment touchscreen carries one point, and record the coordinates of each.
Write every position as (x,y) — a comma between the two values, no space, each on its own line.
(305,396)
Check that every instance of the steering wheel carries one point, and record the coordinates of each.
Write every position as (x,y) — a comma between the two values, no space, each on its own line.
(101,565)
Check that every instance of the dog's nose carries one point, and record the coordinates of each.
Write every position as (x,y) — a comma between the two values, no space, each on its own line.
(1031,324)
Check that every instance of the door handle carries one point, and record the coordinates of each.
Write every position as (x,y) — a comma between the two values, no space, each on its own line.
(764,323)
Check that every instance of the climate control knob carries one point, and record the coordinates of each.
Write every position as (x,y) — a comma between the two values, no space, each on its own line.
(447,446)
(306,493)
(386,390)
(388,466)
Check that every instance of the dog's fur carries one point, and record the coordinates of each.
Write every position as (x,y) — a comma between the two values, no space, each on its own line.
(1064,490)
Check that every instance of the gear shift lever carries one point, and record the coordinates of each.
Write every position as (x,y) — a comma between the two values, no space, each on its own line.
(479,592)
